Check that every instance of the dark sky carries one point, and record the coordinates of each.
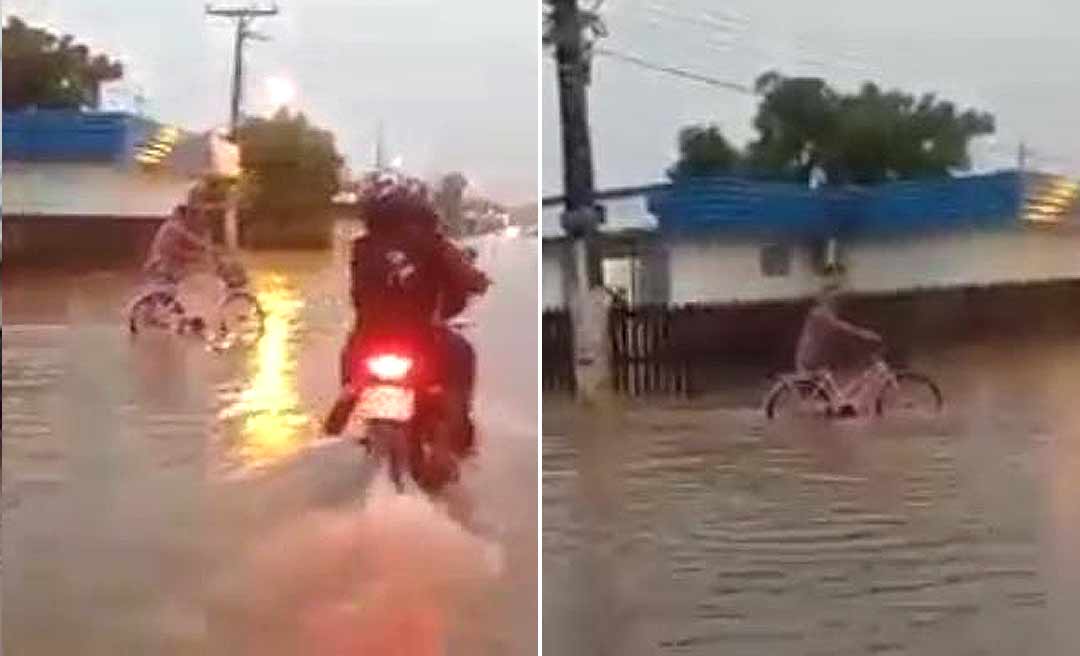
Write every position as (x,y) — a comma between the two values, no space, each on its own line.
(1017,60)
(456,84)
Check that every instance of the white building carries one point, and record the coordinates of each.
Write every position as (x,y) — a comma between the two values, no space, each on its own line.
(727,241)
(97,184)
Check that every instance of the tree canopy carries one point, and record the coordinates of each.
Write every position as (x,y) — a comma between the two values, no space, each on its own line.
(44,70)
(290,169)
(704,150)
(865,137)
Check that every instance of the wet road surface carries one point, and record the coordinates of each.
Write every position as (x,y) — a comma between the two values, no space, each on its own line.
(700,529)
(161,499)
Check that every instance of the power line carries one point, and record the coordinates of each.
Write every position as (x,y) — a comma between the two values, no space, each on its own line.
(674,71)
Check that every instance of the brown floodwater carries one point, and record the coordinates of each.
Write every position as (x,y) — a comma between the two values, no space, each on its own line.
(159,498)
(701,529)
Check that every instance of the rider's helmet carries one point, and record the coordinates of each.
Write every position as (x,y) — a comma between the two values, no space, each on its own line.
(393,201)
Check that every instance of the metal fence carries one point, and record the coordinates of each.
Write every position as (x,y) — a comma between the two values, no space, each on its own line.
(557,341)
(688,350)
(644,359)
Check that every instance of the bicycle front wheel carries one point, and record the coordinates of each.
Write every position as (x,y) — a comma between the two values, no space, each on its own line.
(912,395)
(797,399)
(242,317)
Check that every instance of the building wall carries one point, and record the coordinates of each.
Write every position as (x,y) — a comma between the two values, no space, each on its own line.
(715,270)
(1026,254)
(48,241)
(86,189)
(724,271)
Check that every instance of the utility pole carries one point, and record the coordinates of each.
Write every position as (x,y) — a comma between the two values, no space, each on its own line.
(380,158)
(581,216)
(243,16)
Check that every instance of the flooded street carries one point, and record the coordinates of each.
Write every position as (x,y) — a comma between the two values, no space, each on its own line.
(700,529)
(162,499)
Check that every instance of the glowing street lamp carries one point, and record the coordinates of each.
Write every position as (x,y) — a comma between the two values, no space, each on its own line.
(281,91)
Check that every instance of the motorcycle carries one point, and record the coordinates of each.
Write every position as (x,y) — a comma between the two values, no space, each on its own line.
(394,406)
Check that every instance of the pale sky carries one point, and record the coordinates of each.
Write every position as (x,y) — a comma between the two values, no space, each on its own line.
(455,84)
(1018,60)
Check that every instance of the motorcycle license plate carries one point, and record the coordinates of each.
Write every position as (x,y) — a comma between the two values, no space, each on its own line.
(387,402)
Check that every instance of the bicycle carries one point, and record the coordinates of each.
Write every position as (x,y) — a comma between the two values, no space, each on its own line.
(818,394)
(240,317)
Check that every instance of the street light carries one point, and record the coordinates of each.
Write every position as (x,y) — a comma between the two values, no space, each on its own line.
(280,90)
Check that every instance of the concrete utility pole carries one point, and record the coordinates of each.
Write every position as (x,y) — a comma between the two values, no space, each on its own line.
(243,17)
(380,156)
(587,300)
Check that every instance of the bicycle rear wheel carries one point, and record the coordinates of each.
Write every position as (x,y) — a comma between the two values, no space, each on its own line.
(913,395)
(796,399)
(155,312)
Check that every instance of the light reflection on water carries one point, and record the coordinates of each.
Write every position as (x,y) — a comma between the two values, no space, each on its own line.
(274,427)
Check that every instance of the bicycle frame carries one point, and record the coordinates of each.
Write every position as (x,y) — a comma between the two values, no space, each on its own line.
(878,375)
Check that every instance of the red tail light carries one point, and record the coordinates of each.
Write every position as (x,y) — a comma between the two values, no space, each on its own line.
(389,367)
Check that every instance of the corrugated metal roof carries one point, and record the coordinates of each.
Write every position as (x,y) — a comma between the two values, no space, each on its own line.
(626,211)
(114,138)
(737,206)
(72,136)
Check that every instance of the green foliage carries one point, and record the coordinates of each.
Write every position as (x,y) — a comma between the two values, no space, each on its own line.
(859,138)
(43,70)
(703,151)
(290,173)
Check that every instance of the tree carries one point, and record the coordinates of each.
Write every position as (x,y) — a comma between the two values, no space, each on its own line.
(290,174)
(449,198)
(859,138)
(703,150)
(43,70)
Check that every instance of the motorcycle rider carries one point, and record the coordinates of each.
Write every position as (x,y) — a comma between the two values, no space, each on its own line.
(407,280)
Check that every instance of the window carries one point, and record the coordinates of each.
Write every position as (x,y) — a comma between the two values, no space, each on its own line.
(775,260)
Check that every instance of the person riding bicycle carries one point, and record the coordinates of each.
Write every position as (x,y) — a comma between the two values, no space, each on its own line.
(183,244)
(408,280)
(828,343)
